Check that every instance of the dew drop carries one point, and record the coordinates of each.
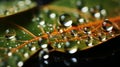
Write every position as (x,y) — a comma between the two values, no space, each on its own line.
(20,63)
(9,53)
(52,15)
(97,15)
(65,20)
(107,25)
(102,37)
(81,20)
(87,30)
(89,41)
(80,4)
(43,54)
(33,48)
(73,50)
(10,34)
(43,42)
(85,9)
(103,12)
(74,60)
(26,55)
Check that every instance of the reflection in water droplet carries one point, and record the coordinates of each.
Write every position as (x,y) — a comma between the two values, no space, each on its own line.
(65,20)
(107,25)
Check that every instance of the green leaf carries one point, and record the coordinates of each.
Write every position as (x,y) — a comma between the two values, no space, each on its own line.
(61,25)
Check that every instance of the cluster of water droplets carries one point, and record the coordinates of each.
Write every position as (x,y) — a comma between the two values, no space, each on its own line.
(15,6)
(97,11)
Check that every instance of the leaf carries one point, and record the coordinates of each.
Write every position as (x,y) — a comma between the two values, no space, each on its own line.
(56,27)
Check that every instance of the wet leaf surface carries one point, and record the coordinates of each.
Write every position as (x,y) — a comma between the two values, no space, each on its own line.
(80,32)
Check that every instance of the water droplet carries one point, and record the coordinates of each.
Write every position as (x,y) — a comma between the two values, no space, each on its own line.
(43,54)
(81,20)
(52,15)
(33,48)
(28,2)
(80,4)
(103,12)
(97,15)
(74,60)
(107,25)
(73,50)
(59,44)
(67,63)
(46,61)
(43,42)
(20,63)
(9,53)
(102,37)
(89,41)
(87,30)
(65,20)
(26,55)
(10,34)
(85,9)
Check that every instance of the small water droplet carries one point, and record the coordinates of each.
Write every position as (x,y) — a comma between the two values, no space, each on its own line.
(43,42)
(20,63)
(103,12)
(33,48)
(107,25)
(81,20)
(97,15)
(65,20)
(10,34)
(43,54)
(73,50)
(102,36)
(26,55)
(89,41)
(9,53)
(74,60)
(87,30)
(85,9)
(52,15)
(80,4)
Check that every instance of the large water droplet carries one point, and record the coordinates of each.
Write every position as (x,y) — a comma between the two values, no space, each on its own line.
(65,20)
(107,25)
